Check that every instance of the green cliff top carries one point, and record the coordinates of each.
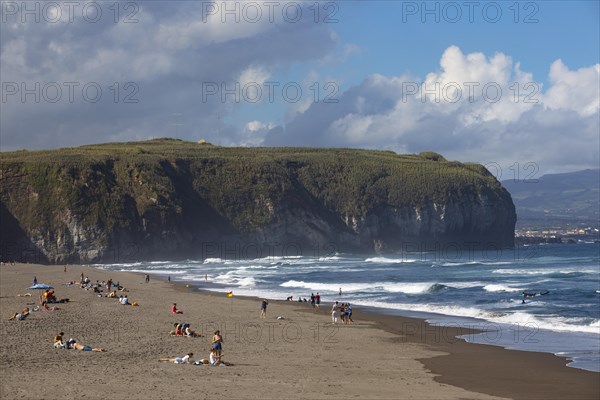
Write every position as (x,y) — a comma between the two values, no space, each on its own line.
(243,184)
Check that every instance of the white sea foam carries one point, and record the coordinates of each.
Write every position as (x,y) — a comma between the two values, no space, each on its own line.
(470,263)
(213,261)
(231,279)
(385,260)
(157,271)
(539,271)
(327,287)
(117,265)
(517,318)
(501,288)
(390,287)
(456,264)
(463,285)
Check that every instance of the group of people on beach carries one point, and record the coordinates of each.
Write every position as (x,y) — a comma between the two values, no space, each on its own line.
(72,344)
(314,300)
(99,286)
(345,313)
(86,284)
(183,329)
(344,310)
(215,357)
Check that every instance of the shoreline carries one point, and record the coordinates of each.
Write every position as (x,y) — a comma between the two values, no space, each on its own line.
(410,353)
(466,326)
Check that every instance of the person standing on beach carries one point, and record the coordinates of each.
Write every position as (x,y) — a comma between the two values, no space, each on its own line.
(34,280)
(263,308)
(147,278)
(349,313)
(318,299)
(81,278)
(334,313)
(217,341)
(340,291)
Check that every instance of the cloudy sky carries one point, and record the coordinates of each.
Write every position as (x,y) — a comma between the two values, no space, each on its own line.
(508,84)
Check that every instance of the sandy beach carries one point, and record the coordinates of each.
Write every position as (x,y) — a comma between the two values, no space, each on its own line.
(300,356)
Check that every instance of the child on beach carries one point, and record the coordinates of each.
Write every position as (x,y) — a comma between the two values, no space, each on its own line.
(263,308)
(174,309)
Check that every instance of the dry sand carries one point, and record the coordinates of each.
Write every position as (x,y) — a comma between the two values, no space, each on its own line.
(302,356)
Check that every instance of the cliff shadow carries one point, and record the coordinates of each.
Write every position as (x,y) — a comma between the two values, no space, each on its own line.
(15,244)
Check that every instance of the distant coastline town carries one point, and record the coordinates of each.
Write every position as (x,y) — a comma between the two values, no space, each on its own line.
(557,235)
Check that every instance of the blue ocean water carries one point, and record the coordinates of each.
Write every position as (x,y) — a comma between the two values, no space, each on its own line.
(474,289)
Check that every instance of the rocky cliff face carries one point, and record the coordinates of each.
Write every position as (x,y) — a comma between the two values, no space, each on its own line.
(175,200)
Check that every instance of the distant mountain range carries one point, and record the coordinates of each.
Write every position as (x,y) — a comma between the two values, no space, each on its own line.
(557,199)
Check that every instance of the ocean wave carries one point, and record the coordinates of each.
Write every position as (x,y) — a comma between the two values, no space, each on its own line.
(235,281)
(117,265)
(157,271)
(501,288)
(327,287)
(212,261)
(412,287)
(538,271)
(464,285)
(385,260)
(268,260)
(552,323)
(470,263)
(330,258)
(390,287)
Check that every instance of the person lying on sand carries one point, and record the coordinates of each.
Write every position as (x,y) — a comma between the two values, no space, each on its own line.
(20,315)
(112,295)
(190,333)
(72,344)
(178,360)
(46,308)
(24,295)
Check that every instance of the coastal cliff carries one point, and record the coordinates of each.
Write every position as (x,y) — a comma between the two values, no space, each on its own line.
(169,199)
